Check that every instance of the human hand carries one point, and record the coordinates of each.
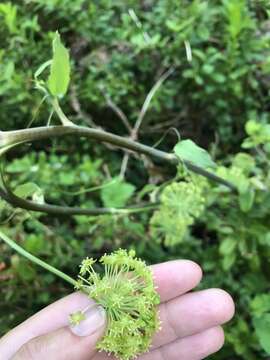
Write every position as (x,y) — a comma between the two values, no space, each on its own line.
(191,323)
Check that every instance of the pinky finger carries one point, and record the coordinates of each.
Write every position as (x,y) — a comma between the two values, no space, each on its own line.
(195,347)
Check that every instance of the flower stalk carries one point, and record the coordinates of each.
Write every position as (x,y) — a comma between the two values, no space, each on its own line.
(36,260)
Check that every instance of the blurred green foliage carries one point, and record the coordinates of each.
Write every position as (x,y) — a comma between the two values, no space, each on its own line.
(218,95)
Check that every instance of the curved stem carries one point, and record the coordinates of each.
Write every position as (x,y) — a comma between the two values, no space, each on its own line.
(16,201)
(39,133)
(36,260)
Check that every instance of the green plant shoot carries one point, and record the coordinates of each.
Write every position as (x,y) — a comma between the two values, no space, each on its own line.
(59,77)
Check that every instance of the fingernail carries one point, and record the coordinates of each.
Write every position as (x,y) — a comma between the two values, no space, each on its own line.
(94,319)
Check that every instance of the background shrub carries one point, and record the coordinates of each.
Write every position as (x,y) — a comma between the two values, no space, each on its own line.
(218,97)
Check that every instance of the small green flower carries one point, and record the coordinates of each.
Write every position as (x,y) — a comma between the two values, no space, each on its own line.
(127,293)
(86,265)
(76,317)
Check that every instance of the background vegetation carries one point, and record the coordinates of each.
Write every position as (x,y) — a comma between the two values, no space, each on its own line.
(217,95)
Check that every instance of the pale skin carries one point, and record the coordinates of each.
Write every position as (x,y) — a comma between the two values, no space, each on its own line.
(191,323)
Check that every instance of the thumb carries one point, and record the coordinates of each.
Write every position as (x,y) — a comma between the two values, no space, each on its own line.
(68,343)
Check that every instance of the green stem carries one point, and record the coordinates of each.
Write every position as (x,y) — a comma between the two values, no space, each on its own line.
(88,190)
(13,138)
(39,133)
(16,201)
(36,260)
(65,121)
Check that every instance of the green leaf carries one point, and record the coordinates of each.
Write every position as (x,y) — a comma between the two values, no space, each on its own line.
(228,261)
(22,268)
(227,246)
(246,199)
(187,150)
(117,194)
(244,161)
(35,243)
(9,12)
(260,304)
(262,329)
(60,68)
(30,190)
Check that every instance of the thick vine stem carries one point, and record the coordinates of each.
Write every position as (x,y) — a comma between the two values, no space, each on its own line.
(16,201)
(35,134)
(9,139)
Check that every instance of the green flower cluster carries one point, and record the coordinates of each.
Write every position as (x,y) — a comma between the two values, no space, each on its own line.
(127,292)
(181,203)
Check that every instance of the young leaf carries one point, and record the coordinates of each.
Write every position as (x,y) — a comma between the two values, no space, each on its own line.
(60,69)
(189,151)
(117,194)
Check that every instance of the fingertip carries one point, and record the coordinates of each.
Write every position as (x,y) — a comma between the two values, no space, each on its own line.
(216,305)
(207,342)
(227,306)
(219,335)
(196,269)
(197,346)
(189,275)
(174,278)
